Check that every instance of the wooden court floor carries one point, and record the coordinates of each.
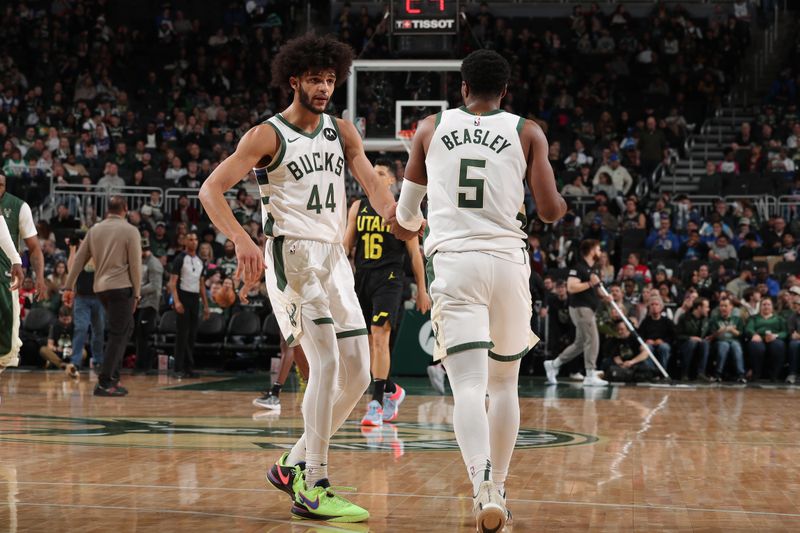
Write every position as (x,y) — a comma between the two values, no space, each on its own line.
(193,458)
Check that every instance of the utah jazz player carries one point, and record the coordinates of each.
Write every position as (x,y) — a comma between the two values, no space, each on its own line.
(379,259)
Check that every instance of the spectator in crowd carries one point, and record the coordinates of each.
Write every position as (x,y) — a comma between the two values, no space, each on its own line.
(187,286)
(632,218)
(742,282)
(629,359)
(652,145)
(728,165)
(111,180)
(693,248)
(767,332)
(58,351)
(726,331)
(63,220)
(575,188)
(691,333)
(663,238)
(721,249)
(185,212)
(689,296)
(620,177)
(147,311)
(773,236)
(793,325)
(658,331)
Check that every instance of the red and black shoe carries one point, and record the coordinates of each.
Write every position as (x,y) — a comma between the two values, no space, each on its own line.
(111,390)
(283,476)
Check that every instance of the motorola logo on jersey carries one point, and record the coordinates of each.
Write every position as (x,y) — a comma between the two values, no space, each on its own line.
(330,134)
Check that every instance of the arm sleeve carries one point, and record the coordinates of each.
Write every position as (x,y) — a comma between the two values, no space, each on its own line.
(409,214)
(27,227)
(7,243)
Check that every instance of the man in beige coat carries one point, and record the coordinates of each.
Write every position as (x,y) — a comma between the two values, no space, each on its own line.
(115,245)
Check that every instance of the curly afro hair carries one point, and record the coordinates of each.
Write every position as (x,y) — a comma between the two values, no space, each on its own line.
(486,72)
(311,52)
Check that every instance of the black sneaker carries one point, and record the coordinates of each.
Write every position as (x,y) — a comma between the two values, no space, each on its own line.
(121,388)
(113,390)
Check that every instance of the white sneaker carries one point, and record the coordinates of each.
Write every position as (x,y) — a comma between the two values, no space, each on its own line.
(436,374)
(593,380)
(551,371)
(268,401)
(489,508)
(790,379)
(576,376)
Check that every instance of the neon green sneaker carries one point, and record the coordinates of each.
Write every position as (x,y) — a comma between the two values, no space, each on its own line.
(320,502)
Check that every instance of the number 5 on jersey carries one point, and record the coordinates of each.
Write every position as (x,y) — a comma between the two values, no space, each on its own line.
(474,198)
(314,202)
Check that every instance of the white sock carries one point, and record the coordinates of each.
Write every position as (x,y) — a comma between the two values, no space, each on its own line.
(315,471)
(503,416)
(468,374)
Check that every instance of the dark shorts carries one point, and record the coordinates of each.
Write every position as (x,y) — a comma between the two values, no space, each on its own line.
(380,293)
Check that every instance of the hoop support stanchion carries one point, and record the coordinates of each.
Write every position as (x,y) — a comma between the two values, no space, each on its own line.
(630,327)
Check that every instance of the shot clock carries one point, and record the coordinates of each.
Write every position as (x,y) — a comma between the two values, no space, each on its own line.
(425,17)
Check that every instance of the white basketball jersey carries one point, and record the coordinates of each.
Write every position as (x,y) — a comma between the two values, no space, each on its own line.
(476,169)
(302,189)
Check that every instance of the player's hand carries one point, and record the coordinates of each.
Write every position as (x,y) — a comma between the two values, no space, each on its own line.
(41,289)
(423,301)
(179,308)
(244,291)
(68,297)
(17,275)
(250,260)
(594,280)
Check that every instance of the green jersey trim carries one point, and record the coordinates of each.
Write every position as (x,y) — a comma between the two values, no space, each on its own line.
(487,114)
(281,151)
(302,132)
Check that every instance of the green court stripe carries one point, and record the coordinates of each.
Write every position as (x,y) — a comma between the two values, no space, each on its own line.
(323,320)
(508,358)
(277,258)
(281,151)
(352,333)
(338,133)
(469,346)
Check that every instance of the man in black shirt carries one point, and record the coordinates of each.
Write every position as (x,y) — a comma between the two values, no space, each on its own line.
(658,331)
(629,359)
(59,343)
(583,302)
(379,259)
(187,285)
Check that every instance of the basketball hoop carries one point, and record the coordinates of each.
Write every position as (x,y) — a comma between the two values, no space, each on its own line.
(405,137)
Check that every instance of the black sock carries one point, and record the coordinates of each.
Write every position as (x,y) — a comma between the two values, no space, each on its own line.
(389,388)
(378,388)
(276,389)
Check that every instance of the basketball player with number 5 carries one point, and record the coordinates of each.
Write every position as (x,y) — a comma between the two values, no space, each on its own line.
(472,162)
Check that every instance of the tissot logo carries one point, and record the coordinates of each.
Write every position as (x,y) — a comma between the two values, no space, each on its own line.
(425,24)
(224,434)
